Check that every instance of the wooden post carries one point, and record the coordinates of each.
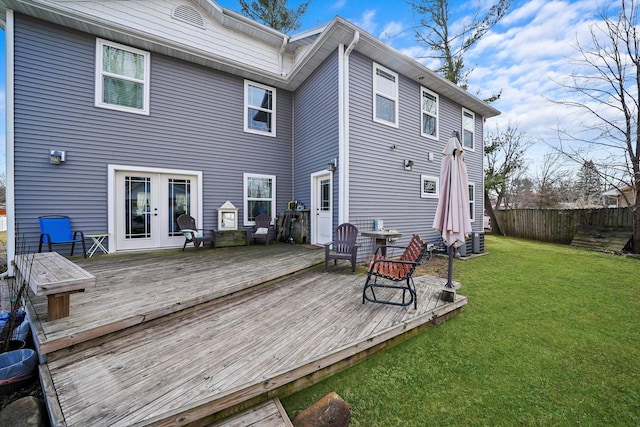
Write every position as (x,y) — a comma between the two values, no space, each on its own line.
(58,306)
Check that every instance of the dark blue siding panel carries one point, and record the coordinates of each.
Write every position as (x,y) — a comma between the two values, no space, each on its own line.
(196,123)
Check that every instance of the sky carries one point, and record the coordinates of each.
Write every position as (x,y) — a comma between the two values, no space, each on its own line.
(524,56)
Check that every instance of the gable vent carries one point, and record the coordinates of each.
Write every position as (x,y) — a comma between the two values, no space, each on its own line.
(189,15)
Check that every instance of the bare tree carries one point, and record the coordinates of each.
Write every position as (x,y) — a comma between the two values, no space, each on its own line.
(450,45)
(504,160)
(521,193)
(548,180)
(609,92)
(275,13)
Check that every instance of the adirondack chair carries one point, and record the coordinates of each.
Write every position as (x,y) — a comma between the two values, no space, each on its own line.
(263,230)
(56,230)
(394,274)
(344,247)
(191,233)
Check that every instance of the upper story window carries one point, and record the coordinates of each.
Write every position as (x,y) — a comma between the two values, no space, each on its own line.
(259,196)
(385,96)
(259,108)
(468,129)
(122,77)
(429,106)
(472,201)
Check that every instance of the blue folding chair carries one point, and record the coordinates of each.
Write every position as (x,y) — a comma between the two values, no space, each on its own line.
(55,230)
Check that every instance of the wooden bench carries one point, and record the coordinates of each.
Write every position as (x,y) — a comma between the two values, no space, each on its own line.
(396,274)
(51,274)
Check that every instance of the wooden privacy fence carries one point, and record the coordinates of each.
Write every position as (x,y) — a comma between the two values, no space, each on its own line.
(559,225)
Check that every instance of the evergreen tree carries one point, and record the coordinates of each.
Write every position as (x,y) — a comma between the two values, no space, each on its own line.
(589,183)
(274,13)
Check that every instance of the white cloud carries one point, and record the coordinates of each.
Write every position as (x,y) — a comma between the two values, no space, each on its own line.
(391,30)
(366,21)
(525,56)
(339,4)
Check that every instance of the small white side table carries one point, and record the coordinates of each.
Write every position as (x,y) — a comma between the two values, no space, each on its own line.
(97,239)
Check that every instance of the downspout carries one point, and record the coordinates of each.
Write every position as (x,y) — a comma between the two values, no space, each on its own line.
(9,116)
(293,146)
(343,153)
(285,41)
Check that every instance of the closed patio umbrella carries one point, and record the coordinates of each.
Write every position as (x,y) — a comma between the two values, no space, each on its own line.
(452,215)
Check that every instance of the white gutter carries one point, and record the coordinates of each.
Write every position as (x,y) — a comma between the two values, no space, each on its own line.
(343,145)
(9,116)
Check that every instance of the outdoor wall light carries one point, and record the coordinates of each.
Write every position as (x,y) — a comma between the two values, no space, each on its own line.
(331,166)
(408,165)
(56,157)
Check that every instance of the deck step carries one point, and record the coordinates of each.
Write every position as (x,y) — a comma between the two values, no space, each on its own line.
(267,414)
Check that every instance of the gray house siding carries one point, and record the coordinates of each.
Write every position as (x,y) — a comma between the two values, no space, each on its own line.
(316,129)
(379,185)
(195,123)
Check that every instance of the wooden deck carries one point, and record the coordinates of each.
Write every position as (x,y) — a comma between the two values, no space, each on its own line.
(173,338)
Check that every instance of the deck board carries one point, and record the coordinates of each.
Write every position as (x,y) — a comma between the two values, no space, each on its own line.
(211,357)
(133,288)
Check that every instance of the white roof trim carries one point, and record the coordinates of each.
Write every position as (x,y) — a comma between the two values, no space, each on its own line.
(322,41)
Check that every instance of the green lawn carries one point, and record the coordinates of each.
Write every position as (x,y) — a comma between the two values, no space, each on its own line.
(550,337)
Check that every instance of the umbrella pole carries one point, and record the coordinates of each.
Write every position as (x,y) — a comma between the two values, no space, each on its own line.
(450,270)
(449,292)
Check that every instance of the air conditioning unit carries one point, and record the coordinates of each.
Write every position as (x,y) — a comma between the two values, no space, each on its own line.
(478,243)
(466,249)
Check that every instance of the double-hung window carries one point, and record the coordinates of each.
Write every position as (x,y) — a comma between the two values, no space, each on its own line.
(429,107)
(259,196)
(122,77)
(472,201)
(468,129)
(385,96)
(259,109)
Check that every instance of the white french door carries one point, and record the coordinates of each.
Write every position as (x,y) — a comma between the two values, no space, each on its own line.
(146,205)
(322,207)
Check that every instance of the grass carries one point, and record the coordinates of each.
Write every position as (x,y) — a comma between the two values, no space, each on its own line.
(550,337)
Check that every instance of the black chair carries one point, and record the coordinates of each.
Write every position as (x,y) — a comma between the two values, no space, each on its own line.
(263,230)
(192,234)
(56,230)
(344,247)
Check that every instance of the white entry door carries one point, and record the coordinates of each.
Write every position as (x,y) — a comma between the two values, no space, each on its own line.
(147,205)
(322,207)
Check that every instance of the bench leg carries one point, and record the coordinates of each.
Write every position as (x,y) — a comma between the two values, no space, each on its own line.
(58,306)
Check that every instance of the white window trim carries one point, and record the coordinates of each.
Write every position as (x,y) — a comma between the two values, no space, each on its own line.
(247,129)
(99,102)
(422,113)
(245,196)
(473,140)
(375,92)
(424,195)
(472,203)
